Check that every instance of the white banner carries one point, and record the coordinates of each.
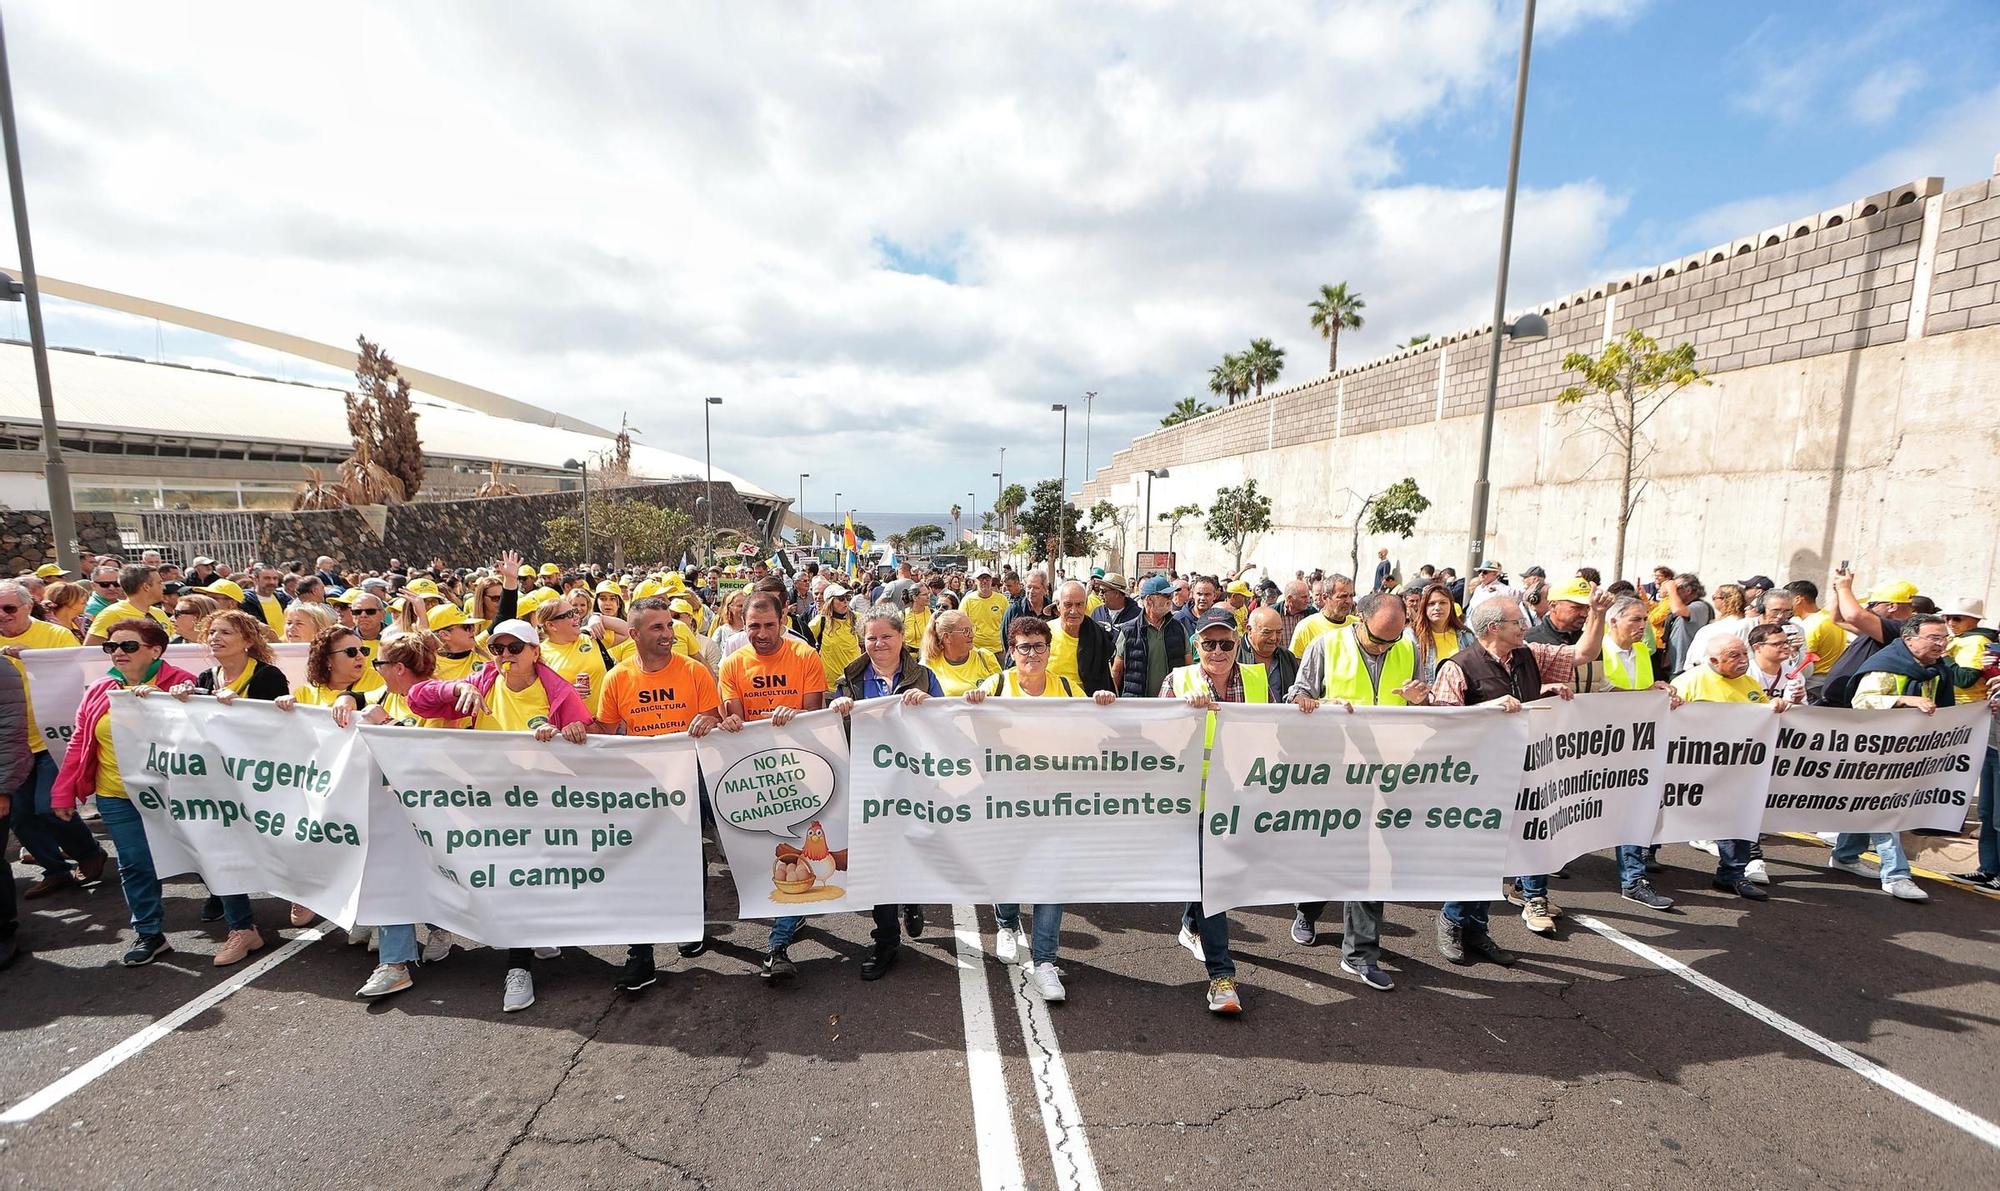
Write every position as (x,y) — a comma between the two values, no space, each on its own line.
(1403,804)
(1026,800)
(518,843)
(780,801)
(1590,778)
(1841,770)
(1717,768)
(254,799)
(57,679)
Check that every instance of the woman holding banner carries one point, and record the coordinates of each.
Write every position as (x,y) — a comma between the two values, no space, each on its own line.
(886,669)
(336,669)
(136,648)
(1028,641)
(243,662)
(950,654)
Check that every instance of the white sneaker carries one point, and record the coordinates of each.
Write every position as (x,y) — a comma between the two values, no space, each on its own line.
(1192,942)
(1046,980)
(438,947)
(1705,845)
(1007,944)
(520,992)
(1860,868)
(386,979)
(548,953)
(1755,873)
(1905,889)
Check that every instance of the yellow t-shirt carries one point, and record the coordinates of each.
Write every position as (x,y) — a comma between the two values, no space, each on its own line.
(1825,640)
(514,711)
(985,613)
(123,610)
(371,678)
(1969,651)
(1062,655)
(916,622)
(274,612)
(839,645)
(1703,685)
(450,669)
(980,664)
(400,714)
(1091,605)
(39,635)
(321,696)
(1007,683)
(110,783)
(581,656)
(1444,644)
(1312,628)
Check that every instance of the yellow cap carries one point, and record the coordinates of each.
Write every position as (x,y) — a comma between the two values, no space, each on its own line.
(426,587)
(648,589)
(611,586)
(549,568)
(446,615)
(1239,587)
(223,587)
(49,570)
(1892,591)
(526,571)
(1576,591)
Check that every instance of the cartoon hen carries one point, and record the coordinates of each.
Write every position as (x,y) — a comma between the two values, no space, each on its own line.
(816,855)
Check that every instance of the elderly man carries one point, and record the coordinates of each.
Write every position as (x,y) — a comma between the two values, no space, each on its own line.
(1033,601)
(1264,645)
(1724,677)
(1371,663)
(1627,665)
(1336,610)
(103,589)
(1151,646)
(1296,606)
(1505,669)
(1080,649)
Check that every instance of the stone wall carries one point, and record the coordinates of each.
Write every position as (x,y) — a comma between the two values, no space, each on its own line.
(1848,398)
(25,541)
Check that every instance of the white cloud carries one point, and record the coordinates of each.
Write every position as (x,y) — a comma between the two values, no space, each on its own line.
(630,208)
(1879,97)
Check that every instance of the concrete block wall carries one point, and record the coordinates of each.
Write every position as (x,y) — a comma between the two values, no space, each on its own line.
(1965,282)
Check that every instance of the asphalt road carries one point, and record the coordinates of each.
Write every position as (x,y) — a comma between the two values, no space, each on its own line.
(1585,1066)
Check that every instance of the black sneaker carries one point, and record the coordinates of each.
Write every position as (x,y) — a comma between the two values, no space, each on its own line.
(1979,877)
(145,950)
(879,962)
(1481,945)
(1304,933)
(1451,940)
(778,966)
(638,975)
(1743,889)
(211,910)
(1647,896)
(913,921)
(690,950)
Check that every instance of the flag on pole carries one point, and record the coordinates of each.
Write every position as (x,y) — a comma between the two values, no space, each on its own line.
(848,543)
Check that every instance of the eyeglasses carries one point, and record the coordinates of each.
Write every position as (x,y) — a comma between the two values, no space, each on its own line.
(352,651)
(125,647)
(510,648)
(1212,644)
(1028,651)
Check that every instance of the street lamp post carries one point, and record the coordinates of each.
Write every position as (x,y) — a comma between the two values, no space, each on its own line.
(1089,400)
(803,477)
(62,521)
(708,453)
(1152,473)
(1481,487)
(1062,492)
(582,467)
(972,514)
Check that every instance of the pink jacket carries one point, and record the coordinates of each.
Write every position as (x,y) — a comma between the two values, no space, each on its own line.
(433,699)
(77,780)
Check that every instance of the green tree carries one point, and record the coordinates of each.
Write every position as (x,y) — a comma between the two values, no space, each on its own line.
(1262,364)
(1012,497)
(1230,379)
(1336,309)
(1416,341)
(1392,510)
(632,531)
(1236,514)
(1045,512)
(899,542)
(1624,386)
(923,538)
(1187,409)
(863,533)
(1173,517)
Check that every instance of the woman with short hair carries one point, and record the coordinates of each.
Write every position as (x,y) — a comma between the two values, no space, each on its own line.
(305,622)
(950,654)
(65,603)
(190,617)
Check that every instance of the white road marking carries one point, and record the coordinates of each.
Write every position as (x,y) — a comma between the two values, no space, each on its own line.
(992,1119)
(62,1089)
(1923,1098)
(1062,1120)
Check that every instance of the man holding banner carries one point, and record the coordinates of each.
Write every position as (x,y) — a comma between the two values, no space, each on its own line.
(51,841)
(1628,666)
(1725,678)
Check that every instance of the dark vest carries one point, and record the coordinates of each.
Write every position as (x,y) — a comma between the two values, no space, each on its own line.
(1486,680)
(1138,684)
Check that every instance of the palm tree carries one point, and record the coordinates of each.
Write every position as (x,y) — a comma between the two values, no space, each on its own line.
(1187,409)
(1416,341)
(1335,310)
(1229,379)
(956,512)
(1263,363)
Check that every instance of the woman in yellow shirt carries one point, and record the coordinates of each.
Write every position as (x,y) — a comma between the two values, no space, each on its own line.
(1440,633)
(949,637)
(570,651)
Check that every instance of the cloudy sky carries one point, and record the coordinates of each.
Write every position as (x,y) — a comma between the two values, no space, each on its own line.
(890,236)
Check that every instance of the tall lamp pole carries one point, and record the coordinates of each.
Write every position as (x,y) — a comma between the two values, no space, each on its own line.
(708,453)
(1152,473)
(1089,400)
(1481,487)
(1062,493)
(803,477)
(62,520)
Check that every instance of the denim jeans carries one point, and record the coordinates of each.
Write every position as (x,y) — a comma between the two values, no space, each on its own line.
(43,836)
(1989,835)
(1631,864)
(1213,930)
(1470,916)
(1731,855)
(135,864)
(1887,844)
(784,930)
(1047,929)
(398,943)
(1535,885)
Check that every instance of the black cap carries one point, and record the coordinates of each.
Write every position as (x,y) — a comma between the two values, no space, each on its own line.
(173,588)
(1219,616)
(1763,581)
(1537,572)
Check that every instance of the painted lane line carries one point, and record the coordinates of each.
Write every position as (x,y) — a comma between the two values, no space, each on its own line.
(992,1119)
(1062,1120)
(1923,1098)
(62,1089)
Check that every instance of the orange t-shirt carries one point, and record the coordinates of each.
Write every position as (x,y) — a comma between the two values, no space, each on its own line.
(655,704)
(783,679)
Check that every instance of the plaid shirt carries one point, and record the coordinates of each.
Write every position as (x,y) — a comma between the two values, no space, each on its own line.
(1556,662)
(1290,620)
(1231,692)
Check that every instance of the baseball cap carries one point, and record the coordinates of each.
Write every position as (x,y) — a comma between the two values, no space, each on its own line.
(49,570)
(201,560)
(426,587)
(526,571)
(1764,581)
(173,587)
(610,586)
(1536,571)
(834,591)
(1097,572)
(519,630)
(1217,617)
(1156,585)
(446,615)
(1576,591)
(1892,591)
(1489,565)
(1239,587)
(223,587)
(982,573)
(549,568)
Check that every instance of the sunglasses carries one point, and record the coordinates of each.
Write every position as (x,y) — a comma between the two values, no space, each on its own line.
(126,647)
(509,648)
(353,651)
(1211,644)
(9,609)
(107,583)
(367,611)
(570,614)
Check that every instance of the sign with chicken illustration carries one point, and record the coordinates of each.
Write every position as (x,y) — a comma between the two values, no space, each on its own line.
(780,799)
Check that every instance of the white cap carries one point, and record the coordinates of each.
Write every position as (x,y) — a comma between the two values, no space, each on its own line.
(983,573)
(833,591)
(519,630)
